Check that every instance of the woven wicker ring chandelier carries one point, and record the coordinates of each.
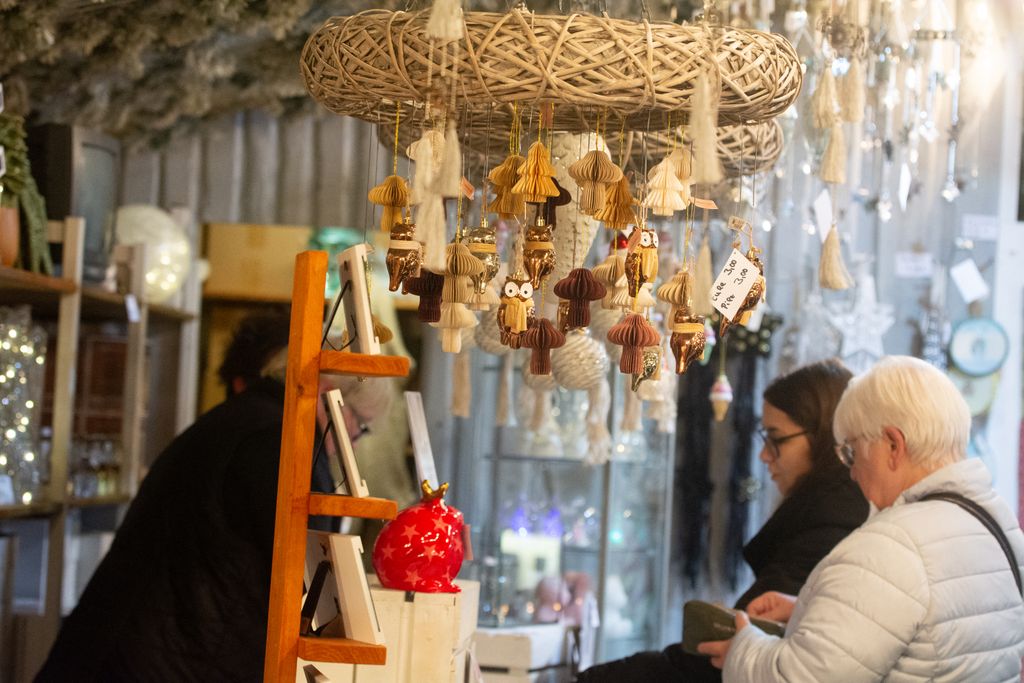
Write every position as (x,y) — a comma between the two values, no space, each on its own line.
(637,74)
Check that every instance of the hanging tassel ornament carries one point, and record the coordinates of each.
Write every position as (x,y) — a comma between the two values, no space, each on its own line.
(426,154)
(393,196)
(707,168)
(664,191)
(833,163)
(536,182)
(832,273)
(641,259)
(516,309)
(618,212)
(541,338)
(594,173)
(538,252)
(461,383)
(851,92)
(445,22)
(577,290)
(404,255)
(823,101)
(703,279)
(450,175)
(507,204)
(633,334)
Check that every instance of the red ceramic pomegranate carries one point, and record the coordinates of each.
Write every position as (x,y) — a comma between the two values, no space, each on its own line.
(421,548)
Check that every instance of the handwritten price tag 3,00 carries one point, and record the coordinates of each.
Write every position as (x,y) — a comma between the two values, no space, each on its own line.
(733,284)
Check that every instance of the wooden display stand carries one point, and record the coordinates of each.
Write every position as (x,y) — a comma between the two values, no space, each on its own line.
(295,503)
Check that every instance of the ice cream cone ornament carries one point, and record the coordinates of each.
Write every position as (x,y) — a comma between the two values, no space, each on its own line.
(538,251)
(516,308)
(721,396)
(641,258)
(404,255)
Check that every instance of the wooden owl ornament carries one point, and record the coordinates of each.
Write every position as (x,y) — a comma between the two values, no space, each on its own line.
(516,309)
(538,252)
(405,255)
(641,259)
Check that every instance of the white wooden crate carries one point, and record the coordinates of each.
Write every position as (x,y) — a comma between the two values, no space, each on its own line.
(427,636)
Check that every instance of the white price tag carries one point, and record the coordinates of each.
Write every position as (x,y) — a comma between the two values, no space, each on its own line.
(912,265)
(980,227)
(969,281)
(131,307)
(733,284)
(422,452)
(823,214)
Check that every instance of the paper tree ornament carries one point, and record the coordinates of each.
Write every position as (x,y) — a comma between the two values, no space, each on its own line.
(633,334)
(393,196)
(460,269)
(619,210)
(721,397)
(428,288)
(507,204)
(578,289)
(404,255)
(516,309)
(541,338)
(538,252)
(421,549)
(536,182)
(641,259)
(608,273)
(594,173)
(664,190)
(676,292)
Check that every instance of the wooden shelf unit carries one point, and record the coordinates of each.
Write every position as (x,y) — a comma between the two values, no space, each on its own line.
(306,361)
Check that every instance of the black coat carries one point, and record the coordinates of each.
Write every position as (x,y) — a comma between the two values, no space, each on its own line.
(182,594)
(823,510)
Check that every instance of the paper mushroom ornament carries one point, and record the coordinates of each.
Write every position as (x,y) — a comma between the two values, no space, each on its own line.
(541,338)
(427,287)
(633,334)
(577,290)
(421,549)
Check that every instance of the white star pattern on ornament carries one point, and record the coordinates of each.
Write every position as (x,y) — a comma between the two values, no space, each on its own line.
(409,533)
(387,552)
(440,525)
(412,576)
(863,324)
(429,551)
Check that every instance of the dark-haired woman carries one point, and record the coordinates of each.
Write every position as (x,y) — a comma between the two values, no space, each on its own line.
(820,506)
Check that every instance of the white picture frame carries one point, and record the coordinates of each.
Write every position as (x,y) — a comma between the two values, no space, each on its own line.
(423,454)
(354,482)
(346,592)
(356,299)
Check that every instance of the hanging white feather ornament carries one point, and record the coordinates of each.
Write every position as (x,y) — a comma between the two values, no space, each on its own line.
(707,168)
(450,181)
(445,22)
(823,101)
(461,384)
(851,93)
(833,163)
(832,273)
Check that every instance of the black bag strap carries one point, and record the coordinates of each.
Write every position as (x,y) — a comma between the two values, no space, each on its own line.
(982,515)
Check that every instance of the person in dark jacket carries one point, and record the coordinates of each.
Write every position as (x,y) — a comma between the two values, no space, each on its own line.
(820,506)
(183,593)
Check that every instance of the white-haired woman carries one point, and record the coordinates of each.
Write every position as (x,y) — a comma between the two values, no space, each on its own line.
(924,590)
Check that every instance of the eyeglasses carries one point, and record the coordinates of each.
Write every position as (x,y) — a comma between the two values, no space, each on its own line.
(845,451)
(773,442)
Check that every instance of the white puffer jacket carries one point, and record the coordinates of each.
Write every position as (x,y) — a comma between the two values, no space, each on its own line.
(920,592)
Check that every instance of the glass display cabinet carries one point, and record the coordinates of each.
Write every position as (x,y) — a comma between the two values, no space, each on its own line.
(557,539)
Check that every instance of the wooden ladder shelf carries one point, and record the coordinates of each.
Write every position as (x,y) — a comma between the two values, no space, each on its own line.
(306,361)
